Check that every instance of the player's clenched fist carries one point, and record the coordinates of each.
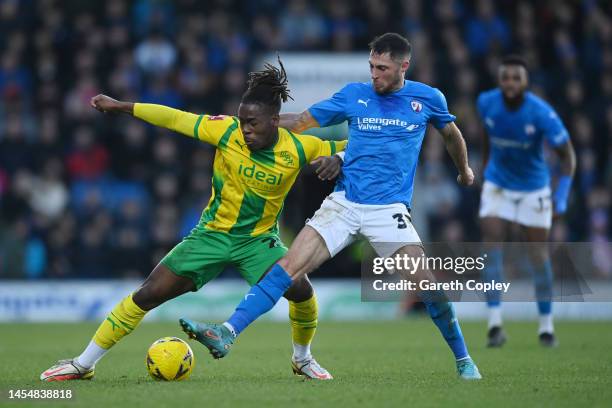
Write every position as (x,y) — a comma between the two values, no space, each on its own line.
(466,178)
(328,167)
(105,103)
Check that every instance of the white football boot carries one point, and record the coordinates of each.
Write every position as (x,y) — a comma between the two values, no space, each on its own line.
(65,370)
(309,368)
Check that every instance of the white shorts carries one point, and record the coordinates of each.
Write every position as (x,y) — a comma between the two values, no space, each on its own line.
(528,208)
(340,222)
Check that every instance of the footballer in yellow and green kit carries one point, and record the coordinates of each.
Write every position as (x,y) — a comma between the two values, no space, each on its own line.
(255,165)
(239,226)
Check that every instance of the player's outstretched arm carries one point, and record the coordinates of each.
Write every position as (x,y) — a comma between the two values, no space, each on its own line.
(455,145)
(298,122)
(567,157)
(158,115)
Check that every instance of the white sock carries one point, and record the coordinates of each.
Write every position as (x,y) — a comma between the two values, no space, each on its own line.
(90,356)
(495,316)
(546,324)
(300,352)
(230,328)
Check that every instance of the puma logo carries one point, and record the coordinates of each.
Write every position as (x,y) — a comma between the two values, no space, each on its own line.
(365,103)
(239,144)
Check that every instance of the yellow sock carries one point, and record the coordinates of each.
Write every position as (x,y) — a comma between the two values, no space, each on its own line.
(303,316)
(119,323)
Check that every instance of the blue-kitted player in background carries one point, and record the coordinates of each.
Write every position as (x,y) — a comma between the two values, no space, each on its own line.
(517,183)
(387,121)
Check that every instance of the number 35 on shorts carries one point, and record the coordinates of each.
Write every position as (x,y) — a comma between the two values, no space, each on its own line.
(402,220)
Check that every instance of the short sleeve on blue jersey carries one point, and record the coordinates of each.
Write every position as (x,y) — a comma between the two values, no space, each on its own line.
(331,111)
(553,129)
(440,115)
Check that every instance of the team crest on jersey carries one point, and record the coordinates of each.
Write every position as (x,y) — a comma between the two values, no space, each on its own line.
(416,106)
(530,129)
(286,157)
(217,117)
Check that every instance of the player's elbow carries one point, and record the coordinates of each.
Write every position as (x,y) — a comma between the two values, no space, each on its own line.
(305,121)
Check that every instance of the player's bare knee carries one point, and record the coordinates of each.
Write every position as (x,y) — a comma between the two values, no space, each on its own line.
(303,285)
(538,255)
(411,251)
(300,291)
(492,235)
(149,295)
(144,297)
(493,229)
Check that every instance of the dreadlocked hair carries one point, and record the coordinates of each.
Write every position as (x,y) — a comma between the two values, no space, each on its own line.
(268,87)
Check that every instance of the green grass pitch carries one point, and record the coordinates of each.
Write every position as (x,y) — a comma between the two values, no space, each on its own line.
(380,364)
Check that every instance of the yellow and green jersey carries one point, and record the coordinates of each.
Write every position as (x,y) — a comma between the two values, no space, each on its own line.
(249,188)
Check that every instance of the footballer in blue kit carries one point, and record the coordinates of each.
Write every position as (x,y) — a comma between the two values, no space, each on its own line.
(386,133)
(516,186)
(387,122)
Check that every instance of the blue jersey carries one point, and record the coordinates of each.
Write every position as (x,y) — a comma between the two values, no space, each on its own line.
(516,158)
(385,137)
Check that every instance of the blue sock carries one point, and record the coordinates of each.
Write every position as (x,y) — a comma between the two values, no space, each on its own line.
(493,271)
(442,313)
(261,298)
(543,277)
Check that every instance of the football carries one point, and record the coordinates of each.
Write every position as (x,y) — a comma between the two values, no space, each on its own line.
(170,359)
